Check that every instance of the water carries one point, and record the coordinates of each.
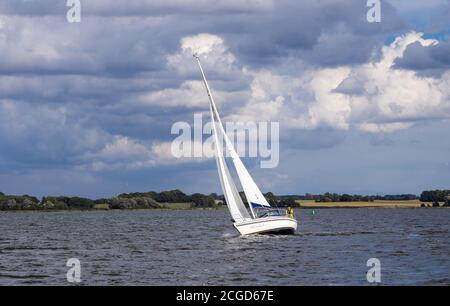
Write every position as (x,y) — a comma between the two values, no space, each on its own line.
(162,247)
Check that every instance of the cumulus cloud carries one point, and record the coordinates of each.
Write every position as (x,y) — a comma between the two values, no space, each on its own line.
(190,94)
(122,148)
(373,97)
(54,46)
(214,53)
(126,153)
(120,152)
(267,92)
(202,44)
(39,136)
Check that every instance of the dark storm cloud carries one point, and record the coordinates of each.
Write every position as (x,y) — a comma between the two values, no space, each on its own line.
(33,7)
(311,139)
(135,35)
(95,46)
(138,8)
(328,33)
(39,136)
(420,58)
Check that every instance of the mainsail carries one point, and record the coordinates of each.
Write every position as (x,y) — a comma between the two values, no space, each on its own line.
(234,202)
(253,195)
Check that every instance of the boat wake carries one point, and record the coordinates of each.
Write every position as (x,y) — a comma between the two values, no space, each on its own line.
(337,233)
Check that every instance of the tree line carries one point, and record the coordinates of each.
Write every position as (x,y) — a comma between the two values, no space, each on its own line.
(153,199)
(435,196)
(135,200)
(335,197)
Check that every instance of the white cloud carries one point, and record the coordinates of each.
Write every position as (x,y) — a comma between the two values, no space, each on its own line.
(216,60)
(120,153)
(163,152)
(126,153)
(203,44)
(189,94)
(328,108)
(212,50)
(266,98)
(383,127)
(373,97)
(34,43)
(122,148)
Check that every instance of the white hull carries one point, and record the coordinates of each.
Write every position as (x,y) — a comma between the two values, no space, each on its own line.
(276,224)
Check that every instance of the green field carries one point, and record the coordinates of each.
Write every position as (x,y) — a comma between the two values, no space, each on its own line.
(101,206)
(183,205)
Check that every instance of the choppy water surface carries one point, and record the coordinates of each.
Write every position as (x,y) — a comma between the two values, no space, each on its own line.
(158,247)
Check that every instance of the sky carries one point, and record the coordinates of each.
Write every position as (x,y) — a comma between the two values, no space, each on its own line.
(86,108)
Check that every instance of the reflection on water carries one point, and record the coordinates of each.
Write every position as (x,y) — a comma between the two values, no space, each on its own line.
(157,247)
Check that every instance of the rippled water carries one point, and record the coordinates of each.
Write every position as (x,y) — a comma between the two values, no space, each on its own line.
(161,247)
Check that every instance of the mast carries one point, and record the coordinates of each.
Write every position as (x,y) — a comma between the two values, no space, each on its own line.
(211,99)
(228,143)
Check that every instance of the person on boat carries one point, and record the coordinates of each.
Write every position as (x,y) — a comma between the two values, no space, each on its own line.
(290,212)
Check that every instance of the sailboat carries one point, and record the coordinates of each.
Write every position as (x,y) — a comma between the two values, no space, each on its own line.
(262,218)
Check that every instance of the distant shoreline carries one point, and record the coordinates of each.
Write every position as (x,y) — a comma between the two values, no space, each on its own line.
(307,205)
(107,210)
(178,200)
